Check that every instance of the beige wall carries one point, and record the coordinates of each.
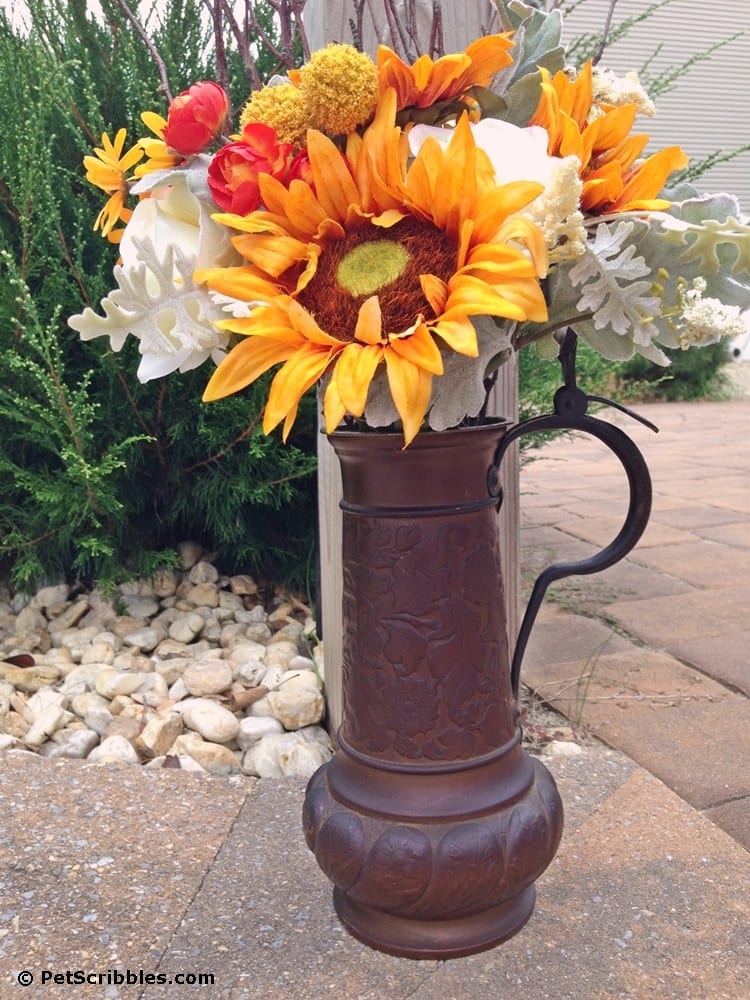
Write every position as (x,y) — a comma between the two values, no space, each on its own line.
(709,107)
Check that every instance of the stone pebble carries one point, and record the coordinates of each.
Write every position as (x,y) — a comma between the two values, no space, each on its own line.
(188,669)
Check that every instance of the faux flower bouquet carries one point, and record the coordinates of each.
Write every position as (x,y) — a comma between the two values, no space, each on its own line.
(393,232)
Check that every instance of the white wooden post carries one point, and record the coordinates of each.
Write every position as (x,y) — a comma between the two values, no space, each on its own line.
(462,22)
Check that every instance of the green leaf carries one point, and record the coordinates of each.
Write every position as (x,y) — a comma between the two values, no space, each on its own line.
(710,230)
(537,44)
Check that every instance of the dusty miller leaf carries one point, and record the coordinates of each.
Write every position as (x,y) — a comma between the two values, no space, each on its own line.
(460,391)
(158,303)
(537,44)
(608,274)
(710,231)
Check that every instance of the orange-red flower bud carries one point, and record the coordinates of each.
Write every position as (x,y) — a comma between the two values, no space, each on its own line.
(233,172)
(195,118)
(300,169)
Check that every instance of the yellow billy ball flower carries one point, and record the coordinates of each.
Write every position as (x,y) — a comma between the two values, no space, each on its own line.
(284,108)
(340,86)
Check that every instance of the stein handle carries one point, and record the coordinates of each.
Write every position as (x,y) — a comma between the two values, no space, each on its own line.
(570,414)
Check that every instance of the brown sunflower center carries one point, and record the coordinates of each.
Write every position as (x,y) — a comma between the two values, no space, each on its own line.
(383,262)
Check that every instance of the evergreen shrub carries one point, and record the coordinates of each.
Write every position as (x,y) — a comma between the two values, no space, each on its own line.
(100,476)
(691,375)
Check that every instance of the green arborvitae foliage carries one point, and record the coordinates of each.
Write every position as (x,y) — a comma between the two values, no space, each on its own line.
(101,476)
(691,375)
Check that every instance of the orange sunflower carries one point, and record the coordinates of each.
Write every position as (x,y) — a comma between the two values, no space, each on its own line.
(599,135)
(107,170)
(375,264)
(428,81)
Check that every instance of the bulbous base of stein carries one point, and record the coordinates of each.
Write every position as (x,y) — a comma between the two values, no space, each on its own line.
(434,866)
(435,939)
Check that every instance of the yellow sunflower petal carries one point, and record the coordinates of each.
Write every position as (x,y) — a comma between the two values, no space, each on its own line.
(524,297)
(242,283)
(601,188)
(624,154)
(270,322)
(420,348)
(410,388)
(576,96)
(154,122)
(458,333)
(274,253)
(355,369)
(488,54)
(521,230)
(547,111)
(243,365)
(334,185)
(381,159)
(473,297)
(459,180)
(570,141)
(427,81)
(369,328)
(394,73)
(650,178)
(435,291)
(495,205)
(306,213)
(613,127)
(421,182)
(498,258)
(334,410)
(291,382)
(305,324)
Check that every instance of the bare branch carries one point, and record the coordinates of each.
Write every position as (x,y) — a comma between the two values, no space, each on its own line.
(222,71)
(241,37)
(398,35)
(401,29)
(605,33)
(437,39)
(299,24)
(355,25)
(491,22)
(160,65)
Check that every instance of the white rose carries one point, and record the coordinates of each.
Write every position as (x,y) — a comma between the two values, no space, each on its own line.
(517,154)
(170,234)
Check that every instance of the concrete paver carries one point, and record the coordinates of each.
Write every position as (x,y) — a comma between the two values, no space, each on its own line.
(676,701)
(734,533)
(724,657)
(663,621)
(645,898)
(601,531)
(733,817)
(641,903)
(701,563)
(98,863)
(697,517)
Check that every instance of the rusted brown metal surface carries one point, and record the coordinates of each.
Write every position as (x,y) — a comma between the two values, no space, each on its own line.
(431,821)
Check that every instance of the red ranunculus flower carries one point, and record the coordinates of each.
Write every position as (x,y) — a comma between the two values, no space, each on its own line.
(195,118)
(300,169)
(233,172)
